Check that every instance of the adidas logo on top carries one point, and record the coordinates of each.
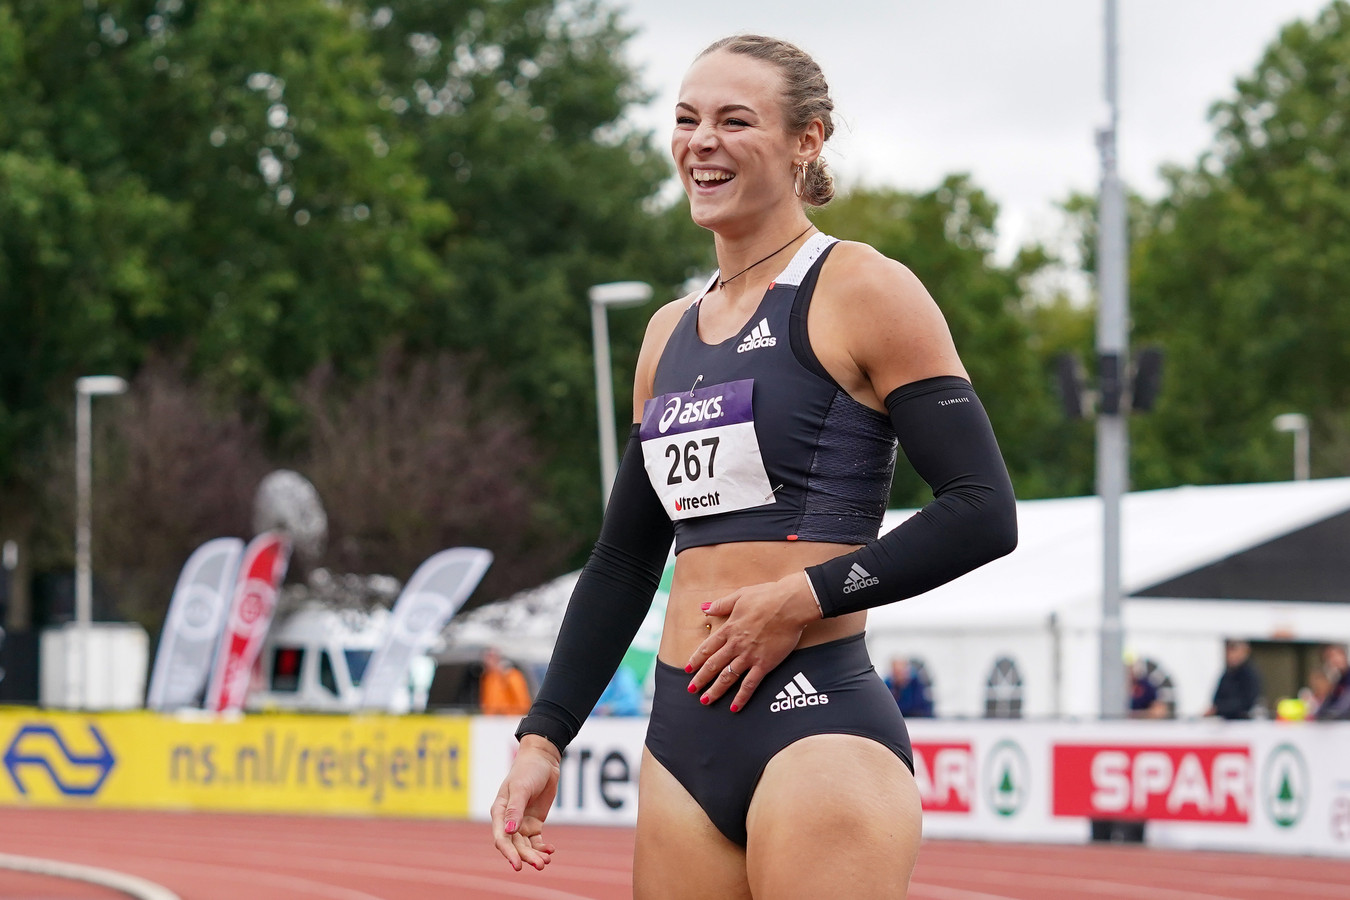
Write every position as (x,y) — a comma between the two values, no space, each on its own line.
(859,578)
(797,693)
(758,337)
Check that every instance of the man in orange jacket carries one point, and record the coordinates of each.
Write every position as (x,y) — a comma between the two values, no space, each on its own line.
(502,690)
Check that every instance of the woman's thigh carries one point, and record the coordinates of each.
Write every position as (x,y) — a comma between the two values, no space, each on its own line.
(832,810)
(680,853)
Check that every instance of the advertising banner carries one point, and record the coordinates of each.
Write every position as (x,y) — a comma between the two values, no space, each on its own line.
(987,780)
(192,628)
(433,594)
(251,609)
(599,778)
(1157,782)
(370,765)
(945,773)
(1260,786)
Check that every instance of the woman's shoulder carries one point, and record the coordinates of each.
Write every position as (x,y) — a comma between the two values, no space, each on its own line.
(856,264)
(659,328)
(664,320)
(865,278)
(881,314)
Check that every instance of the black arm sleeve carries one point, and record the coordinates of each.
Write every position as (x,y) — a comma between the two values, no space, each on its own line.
(608,604)
(971,520)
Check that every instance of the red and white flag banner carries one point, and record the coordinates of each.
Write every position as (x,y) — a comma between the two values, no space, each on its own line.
(254,602)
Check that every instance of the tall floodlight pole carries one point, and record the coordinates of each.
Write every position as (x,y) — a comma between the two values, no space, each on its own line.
(85,388)
(1113,413)
(602,297)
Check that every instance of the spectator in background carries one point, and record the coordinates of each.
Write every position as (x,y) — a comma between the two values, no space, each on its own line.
(1337,703)
(1239,689)
(912,694)
(502,690)
(622,696)
(1144,700)
(1315,693)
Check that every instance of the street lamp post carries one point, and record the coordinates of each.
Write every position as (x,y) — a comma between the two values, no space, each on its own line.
(1298,424)
(603,296)
(85,388)
(1113,436)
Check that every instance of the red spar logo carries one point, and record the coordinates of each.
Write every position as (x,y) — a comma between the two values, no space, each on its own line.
(945,774)
(1186,784)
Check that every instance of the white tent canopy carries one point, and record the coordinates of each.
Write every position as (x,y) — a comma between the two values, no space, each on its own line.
(1057,566)
(1038,609)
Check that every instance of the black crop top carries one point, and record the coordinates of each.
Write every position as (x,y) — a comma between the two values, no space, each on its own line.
(752,440)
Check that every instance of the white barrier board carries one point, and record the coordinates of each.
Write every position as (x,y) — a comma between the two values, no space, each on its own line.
(1261,786)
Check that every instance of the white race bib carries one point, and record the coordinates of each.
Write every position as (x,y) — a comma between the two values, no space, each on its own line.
(701,452)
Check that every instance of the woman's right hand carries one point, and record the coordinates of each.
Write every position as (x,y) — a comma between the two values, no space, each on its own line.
(523,801)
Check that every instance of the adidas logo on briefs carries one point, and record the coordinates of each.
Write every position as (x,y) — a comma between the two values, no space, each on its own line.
(797,693)
(758,337)
(859,578)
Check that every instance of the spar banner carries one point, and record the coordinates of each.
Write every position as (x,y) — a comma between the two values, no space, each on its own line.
(347,765)
(433,594)
(250,615)
(193,625)
(1157,782)
(945,775)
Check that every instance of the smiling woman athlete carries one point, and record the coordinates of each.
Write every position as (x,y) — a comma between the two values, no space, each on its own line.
(767,408)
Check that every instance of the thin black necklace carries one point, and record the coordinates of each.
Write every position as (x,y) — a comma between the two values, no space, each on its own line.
(723,282)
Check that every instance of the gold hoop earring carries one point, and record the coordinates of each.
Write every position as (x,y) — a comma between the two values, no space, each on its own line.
(799,179)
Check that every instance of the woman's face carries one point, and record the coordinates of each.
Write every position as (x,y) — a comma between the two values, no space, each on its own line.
(730,145)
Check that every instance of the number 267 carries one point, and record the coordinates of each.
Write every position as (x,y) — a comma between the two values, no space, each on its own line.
(691,460)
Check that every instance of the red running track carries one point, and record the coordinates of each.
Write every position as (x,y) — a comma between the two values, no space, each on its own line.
(204,856)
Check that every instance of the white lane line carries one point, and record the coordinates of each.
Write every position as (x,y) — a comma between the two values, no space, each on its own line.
(920,891)
(300,857)
(504,884)
(308,886)
(1089,886)
(117,881)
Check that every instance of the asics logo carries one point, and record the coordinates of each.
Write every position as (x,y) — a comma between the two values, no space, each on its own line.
(859,578)
(796,694)
(758,337)
(690,412)
(668,414)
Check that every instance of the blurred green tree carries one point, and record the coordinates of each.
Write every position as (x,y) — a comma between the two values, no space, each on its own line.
(266,188)
(515,109)
(1244,269)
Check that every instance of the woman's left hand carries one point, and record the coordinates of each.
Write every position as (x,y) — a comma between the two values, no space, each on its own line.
(763,624)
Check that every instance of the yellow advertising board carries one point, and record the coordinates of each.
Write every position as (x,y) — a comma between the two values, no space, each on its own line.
(368,765)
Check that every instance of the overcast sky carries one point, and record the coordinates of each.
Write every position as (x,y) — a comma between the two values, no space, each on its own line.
(1008,90)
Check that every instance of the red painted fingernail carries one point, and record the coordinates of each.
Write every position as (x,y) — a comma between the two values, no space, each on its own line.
(689,670)
(510,827)
(693,688)
(705,606)
(734,707)
(705,701)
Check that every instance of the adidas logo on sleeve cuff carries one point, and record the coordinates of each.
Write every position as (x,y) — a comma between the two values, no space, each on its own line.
(859,578)
(798,693)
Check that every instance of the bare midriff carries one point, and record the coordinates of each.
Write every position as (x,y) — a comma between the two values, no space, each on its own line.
(705,574)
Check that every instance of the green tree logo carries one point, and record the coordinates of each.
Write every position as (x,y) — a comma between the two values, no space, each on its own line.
(1284,786)
(1007,778)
